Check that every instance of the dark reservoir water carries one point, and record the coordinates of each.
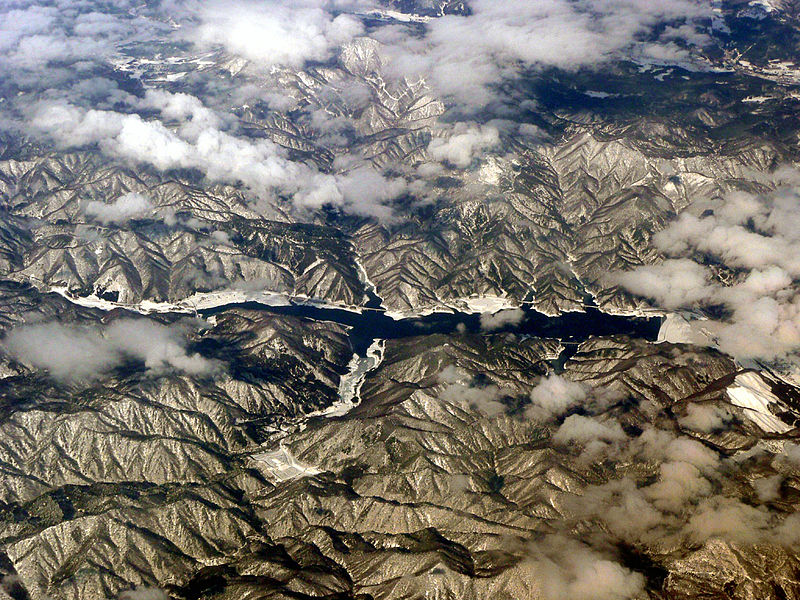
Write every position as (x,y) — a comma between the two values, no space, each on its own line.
(572,328)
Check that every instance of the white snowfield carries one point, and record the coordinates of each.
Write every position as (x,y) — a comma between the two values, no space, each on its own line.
(350,384)
(679,328)
(283,466)
(366,281)
(396,16)
(475,304)
(751,392)
(201,301)
(757,99)
(675,329)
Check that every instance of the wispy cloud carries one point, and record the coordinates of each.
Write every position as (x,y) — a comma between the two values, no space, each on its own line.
(71,353)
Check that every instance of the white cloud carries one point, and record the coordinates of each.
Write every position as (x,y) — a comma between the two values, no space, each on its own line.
(463,144)
(553,397)
(788,532)
(502,318)
(76,353)
(453,374)
(273,32)
(144,593)
(580,429)
(768,488)
(46,47)
(463,57)
(564,568)
(791,453)
(669,490)
(705,418)
(261,165)
(728,518)
(360,191)
(123,209)
(756,237)
(679,482)
(483,398)
(672,284)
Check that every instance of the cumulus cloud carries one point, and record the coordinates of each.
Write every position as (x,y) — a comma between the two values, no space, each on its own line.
(70,352)
(452,374)
(144,593)
(123,209)
(730,519)
(261,165)
(55,51)
(665,489)
(501,319)
(555,396)
(768,488)
(58,47)
(485,398)
(743,231)
(672,283)
(463,144)
(705,418)
(583,430)
(275,33)
(791,453)
(64,49)
(360,191)
(788,532)
(464,57)
(687,494)
(679,482)
(754,237)
(565,568)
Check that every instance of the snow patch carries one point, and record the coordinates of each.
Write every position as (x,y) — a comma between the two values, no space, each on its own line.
(283,466)
(201,301)
(474,305)
(751,392)
(684,328)
(491,172)
(597,94)
(397,16)
(94,301)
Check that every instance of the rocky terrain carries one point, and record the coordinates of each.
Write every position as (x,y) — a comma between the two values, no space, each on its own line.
(201,229)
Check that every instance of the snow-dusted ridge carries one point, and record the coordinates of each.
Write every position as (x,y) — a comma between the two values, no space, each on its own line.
(395,15)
